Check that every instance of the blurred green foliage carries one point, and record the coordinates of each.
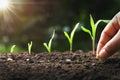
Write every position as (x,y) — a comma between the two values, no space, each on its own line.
(36,20)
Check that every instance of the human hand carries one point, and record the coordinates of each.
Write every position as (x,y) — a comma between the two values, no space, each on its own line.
(109,41)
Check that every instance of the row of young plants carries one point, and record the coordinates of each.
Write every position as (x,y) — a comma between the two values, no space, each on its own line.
(70,36)
(12,48)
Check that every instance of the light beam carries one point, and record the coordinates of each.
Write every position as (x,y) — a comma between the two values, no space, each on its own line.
(4,4)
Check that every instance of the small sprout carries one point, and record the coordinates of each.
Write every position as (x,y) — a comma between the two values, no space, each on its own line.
(30,47)
(12,48)
(93,32)
(48,46)
(70,38)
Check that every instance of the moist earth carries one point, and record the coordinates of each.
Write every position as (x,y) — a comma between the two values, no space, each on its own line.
(76,65)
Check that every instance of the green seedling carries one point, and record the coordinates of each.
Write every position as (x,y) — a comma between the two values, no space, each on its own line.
(93,32)
(70,37)
(30,47)
(12,48)
(48,46)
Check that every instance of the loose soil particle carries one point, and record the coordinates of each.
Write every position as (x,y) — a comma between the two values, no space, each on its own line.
(58,66)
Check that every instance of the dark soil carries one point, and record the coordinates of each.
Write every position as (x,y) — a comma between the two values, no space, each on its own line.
(59,66)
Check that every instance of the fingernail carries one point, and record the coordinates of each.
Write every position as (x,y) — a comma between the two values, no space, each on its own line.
(102,53)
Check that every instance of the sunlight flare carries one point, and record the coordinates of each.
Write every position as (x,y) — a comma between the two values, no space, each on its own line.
(11,12)
(4,4)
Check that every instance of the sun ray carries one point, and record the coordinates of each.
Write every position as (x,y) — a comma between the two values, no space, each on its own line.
(10,12)
(4,4)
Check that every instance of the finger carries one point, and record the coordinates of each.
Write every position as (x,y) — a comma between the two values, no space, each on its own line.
(111,46)
(110,30)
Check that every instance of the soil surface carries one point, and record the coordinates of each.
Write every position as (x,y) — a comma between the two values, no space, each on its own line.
(58,66)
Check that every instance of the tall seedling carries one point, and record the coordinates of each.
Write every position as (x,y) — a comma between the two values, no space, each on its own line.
(48,46)
(93,32)
(70,38)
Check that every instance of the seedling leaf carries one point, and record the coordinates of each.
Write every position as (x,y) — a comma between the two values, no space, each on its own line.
(46,46)
(73,31)
(50,42)
(93,26)
(87,31)
(67,36)
(12,48)
(92,22)
(105,21)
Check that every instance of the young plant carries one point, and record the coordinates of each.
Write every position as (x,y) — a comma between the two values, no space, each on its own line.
(48,46)
(70,37)
(12,48)
(93,32)
(30,47)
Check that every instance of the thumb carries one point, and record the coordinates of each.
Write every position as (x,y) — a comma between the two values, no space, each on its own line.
(110,47)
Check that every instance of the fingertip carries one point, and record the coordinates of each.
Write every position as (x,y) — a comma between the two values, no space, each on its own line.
(97,56)
(102,54)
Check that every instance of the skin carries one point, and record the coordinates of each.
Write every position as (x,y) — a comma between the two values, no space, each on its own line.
(109,42)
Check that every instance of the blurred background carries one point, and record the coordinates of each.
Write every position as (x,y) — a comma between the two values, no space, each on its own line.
(34,20)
